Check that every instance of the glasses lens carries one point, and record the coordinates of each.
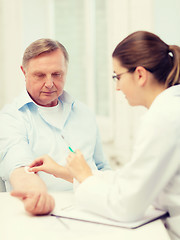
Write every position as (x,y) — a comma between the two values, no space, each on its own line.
(114,77)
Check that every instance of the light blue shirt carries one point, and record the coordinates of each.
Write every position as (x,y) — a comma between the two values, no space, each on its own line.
(25,134)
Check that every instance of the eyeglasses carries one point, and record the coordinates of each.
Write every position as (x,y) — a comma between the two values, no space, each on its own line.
(116,77)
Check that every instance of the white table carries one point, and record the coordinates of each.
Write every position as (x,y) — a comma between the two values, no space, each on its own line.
(15,223)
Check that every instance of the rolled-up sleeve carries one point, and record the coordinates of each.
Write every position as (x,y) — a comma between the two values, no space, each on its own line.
(14,147)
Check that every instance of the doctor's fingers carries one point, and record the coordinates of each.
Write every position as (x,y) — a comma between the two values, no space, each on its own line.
(76,155)
(37,162)
(36,169)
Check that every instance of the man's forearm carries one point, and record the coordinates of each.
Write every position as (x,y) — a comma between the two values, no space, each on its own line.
(23,181)
(32,191)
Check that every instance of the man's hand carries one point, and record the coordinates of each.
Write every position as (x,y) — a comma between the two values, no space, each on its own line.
(78,166)
(32,191)
(36,203)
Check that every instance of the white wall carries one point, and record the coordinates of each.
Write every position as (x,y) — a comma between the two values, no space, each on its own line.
(37,20)
(126,17)
(10,44)
(167,20)
(22,21)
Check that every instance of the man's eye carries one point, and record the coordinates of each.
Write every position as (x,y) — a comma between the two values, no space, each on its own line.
(57,74)
(40,75)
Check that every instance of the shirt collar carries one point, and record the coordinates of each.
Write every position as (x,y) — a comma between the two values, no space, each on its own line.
(24,99)
(65,97)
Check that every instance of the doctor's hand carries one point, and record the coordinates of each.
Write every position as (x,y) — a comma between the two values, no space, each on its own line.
(44,163)
(78,166)
(36,203)
(48,165)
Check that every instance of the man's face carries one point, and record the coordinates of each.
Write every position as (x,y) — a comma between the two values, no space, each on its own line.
(45,77)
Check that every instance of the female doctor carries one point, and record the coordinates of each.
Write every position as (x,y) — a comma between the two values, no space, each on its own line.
(147,71)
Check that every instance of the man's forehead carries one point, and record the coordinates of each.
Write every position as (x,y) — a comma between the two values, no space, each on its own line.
(48,62)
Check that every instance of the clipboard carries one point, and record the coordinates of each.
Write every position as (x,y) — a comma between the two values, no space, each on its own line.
(73,213)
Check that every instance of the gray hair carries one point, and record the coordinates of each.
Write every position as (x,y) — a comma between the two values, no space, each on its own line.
(43,45)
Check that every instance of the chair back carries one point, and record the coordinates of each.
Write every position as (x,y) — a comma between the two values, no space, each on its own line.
(2,185)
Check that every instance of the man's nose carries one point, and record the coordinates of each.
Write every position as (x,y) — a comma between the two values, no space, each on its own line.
(49,82)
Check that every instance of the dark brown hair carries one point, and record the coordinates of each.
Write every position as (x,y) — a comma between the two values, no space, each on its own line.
(146,49)
(40,46)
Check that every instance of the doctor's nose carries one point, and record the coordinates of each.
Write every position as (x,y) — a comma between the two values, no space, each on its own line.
(118,87)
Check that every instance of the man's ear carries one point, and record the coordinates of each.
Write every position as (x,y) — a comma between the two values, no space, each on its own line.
(23,71)
(141,75)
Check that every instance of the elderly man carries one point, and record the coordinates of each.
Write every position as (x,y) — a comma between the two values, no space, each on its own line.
(42,120)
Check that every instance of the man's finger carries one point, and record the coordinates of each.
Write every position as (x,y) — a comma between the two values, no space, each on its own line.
(22,195)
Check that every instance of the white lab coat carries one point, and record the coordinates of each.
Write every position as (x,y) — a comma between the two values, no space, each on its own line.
(152,176)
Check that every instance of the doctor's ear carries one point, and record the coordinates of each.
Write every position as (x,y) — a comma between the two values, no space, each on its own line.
(141,75)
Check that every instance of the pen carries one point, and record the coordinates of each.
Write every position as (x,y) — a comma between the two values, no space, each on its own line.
(67,144)
(59,219)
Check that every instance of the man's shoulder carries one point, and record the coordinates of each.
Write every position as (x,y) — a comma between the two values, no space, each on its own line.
(77,105)
(9,108)
(84,108)
(12,108)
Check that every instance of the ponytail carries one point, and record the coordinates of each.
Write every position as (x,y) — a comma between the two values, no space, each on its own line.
(174,76)
(146,49)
